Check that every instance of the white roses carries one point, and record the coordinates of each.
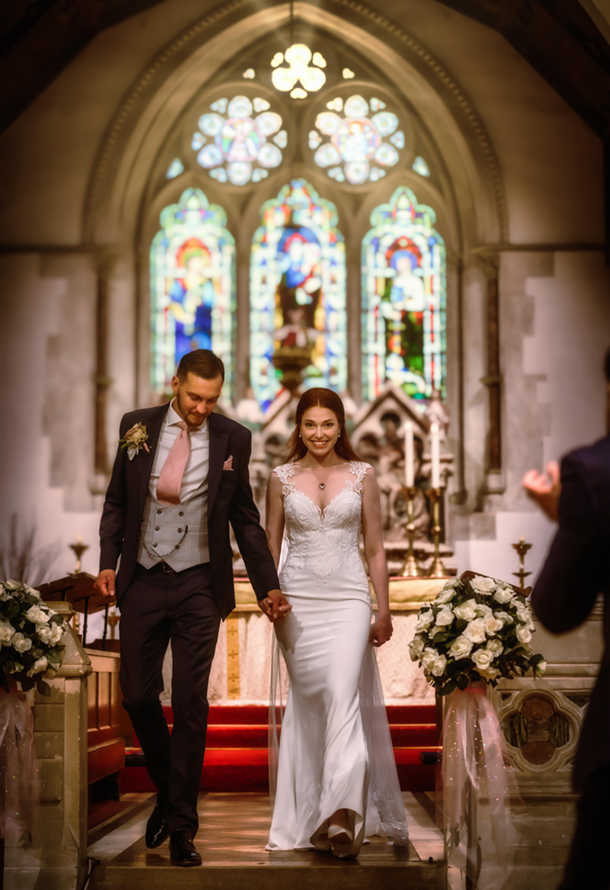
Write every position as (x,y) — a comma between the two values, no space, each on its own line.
(460,648)
(38,615)
(445,617)
(475,632)
(424,620)
(482,584)
(466,610)
(477,628)
(40,665)
(6,631)
(50,633)
(21,643)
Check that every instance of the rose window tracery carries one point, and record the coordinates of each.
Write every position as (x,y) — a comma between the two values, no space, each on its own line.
(239,140)
(361,144)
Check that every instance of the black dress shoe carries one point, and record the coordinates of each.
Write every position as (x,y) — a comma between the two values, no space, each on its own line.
(157,827)
(182,850)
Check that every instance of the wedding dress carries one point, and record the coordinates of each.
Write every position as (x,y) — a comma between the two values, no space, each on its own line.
(335,749)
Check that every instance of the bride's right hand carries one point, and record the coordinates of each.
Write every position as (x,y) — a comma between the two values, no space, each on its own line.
(381,631)
(275,606)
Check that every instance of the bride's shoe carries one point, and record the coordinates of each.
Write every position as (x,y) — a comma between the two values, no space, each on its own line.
(340,837)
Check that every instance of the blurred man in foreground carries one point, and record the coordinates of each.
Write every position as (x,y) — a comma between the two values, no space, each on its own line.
(576,571)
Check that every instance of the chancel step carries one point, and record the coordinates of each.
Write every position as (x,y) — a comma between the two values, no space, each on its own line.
(236,758)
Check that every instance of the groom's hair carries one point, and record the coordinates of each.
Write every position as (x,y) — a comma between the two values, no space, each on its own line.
(202,363)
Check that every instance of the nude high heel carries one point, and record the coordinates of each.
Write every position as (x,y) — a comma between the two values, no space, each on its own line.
(341,837)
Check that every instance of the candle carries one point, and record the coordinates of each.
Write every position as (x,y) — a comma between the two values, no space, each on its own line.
(521,539)
(409,455)
(436,456)
(79,539)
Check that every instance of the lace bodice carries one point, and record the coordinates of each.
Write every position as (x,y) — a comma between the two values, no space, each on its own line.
(322,541)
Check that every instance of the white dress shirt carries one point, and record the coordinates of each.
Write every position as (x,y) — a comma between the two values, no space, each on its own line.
(195,479)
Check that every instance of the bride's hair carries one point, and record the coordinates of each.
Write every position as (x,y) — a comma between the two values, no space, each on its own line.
(325,398)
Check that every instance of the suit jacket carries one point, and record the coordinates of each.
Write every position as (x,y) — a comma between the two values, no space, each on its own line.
(229,500)
(576,570)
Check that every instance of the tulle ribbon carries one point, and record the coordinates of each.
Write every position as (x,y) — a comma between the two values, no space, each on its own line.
(478,783)
(18,773)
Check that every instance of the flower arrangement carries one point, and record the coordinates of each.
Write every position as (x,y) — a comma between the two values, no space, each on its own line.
(31,637)
(477,628)
(134,440)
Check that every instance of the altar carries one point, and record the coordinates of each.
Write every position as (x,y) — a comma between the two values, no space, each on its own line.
(242,665)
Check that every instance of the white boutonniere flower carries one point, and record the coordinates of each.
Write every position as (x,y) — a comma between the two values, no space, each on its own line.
(134,440)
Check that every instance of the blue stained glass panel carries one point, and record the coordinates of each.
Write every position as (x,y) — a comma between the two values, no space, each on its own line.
(297,290)
(192,282)
(403,299)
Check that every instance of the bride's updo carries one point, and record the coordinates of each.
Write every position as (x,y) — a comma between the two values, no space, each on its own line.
(324,398)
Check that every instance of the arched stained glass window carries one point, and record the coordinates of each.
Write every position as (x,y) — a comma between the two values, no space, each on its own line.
(403,299)
(297,293)
(192,281)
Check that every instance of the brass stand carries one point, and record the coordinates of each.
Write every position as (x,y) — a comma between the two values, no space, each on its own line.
(521,547)
(437,569)
(78,548)
(410,569)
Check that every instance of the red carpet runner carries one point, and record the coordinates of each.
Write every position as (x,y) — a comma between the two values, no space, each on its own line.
(236,753)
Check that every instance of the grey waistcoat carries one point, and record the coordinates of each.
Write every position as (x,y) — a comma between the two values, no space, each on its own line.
(175,534)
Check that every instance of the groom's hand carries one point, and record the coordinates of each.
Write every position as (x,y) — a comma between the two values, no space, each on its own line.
(105,583)
(275,605)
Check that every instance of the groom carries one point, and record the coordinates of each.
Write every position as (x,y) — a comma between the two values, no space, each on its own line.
(179,478)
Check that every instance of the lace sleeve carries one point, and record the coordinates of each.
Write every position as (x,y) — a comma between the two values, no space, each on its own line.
(285,473)
(359,470)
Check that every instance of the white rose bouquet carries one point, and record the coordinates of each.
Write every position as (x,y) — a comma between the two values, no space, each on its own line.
(31,637)
(477,628)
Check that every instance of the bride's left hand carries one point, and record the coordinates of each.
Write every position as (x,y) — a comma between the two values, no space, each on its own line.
(381,631)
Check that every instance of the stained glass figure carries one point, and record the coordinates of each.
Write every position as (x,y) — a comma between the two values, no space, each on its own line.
(356,140)
(403,299)
(243,145)
(192,282)
(297,292)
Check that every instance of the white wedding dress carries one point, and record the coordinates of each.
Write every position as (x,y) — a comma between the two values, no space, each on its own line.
(335,749)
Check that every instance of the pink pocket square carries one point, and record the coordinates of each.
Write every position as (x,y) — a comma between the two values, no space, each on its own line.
(228,464)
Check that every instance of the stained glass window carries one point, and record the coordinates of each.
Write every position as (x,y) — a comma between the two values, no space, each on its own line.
(192,281)
(297,292)
(239,140)
(357,140)
(403,299)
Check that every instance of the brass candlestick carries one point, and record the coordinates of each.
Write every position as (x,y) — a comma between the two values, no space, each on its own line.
(78,548)
(113,620)
(437,569)
(522,547)
(410,568)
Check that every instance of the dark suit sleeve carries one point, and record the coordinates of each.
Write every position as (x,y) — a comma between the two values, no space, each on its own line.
(112,524)
(251,539)
(577,567)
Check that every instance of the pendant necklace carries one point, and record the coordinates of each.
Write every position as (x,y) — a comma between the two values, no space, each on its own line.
(321,485)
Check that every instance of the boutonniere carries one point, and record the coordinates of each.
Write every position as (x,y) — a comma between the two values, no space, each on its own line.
(134,440)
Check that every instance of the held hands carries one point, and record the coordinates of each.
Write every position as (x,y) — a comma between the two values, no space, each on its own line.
(275,606)
(381,631)
(105,583)
(544,489)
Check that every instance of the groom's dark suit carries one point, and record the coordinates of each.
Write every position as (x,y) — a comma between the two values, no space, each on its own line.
(185,606)
(576,571)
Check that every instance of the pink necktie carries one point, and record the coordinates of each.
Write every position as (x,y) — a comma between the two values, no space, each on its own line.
(170,479)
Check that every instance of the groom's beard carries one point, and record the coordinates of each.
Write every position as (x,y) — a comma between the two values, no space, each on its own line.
(193,418)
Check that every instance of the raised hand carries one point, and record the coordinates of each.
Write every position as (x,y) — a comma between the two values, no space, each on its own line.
(275,606)
(544,489)
(105,583)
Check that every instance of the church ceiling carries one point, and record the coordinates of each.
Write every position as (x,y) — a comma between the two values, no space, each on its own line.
(38,38)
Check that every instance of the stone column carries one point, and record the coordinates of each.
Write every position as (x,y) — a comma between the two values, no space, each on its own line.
(57,858)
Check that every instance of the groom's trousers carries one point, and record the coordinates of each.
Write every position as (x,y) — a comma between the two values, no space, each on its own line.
(158,607)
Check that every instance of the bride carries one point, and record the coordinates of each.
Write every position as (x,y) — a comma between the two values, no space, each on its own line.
(336,776)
